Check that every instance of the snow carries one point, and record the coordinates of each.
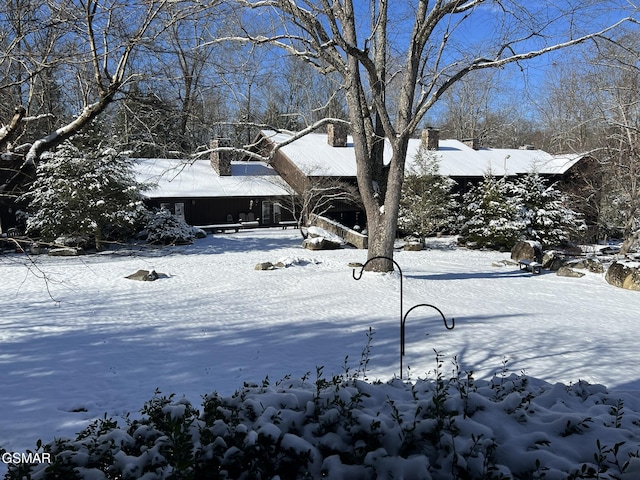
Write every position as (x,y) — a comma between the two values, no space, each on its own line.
(180,178)
(80,340)
(314,156)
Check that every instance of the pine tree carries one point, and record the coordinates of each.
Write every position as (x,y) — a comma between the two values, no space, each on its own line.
(490,215)
(83,195)
(426,204)
(543,211)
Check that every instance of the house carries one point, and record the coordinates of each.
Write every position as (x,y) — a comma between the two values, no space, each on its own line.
(332,155)
(216,191)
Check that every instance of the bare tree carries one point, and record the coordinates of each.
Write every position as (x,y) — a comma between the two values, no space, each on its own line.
(593,107)
(392,80)
(92,44)
(319,195)
(568,109)
(618,80)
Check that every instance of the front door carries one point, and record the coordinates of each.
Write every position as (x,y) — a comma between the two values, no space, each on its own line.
(267,213)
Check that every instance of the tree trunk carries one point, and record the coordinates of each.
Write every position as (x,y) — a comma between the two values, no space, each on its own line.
(381,202)
(631,235)
(8,132)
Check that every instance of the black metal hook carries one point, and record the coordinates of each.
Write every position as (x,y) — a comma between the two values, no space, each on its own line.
(403,316)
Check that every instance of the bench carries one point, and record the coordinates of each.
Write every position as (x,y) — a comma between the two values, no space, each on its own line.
(530,265)
(250,224)
(288,223)
(220,227)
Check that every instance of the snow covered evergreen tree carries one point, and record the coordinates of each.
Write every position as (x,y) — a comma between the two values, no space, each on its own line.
(426,204)
(543,211)
(83,195)
(490,215)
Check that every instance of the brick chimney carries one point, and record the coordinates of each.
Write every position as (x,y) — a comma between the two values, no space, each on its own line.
(472,143)
(337,134)
(220,161)
(431,138)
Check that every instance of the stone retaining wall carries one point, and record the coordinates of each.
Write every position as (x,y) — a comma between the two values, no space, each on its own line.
(350,236)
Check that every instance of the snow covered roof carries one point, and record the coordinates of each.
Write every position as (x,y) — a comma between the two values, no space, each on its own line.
(315,157)
(182,178)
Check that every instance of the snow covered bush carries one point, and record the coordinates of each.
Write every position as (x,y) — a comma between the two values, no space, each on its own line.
(543,210)
(427,205)
(499,212)
(165,228)
(77,194)
(489,215)
(445,428)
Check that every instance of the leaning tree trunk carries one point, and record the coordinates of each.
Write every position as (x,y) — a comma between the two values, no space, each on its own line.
(9,131)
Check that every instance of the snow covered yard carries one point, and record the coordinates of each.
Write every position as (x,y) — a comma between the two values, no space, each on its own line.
(78,339)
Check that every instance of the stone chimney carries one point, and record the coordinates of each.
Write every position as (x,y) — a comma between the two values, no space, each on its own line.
(431,138)
(337,134)
(472,143)
(220,161)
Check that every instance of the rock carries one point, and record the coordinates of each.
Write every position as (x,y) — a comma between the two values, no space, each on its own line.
(623,276)
(64,252)
(527,251)
(591,264)
(553,260)
(412,246)
(504,263)
(146,275)
(78,241)
(318,232)
(199,233)
(320,243)
(565,271)
(265,266)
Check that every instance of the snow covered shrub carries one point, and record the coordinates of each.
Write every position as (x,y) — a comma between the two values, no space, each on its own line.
(489,215)
(165,228)
(426,204)
(78,194)
(447,428)
(543,211)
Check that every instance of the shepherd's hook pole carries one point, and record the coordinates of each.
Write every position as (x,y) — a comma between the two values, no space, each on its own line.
(403,316)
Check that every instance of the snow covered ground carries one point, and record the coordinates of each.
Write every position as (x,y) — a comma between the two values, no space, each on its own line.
(78,340)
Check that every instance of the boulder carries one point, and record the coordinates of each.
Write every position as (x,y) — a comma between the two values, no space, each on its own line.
(146,275)
(78,241)
(265,266)
(566,271)
(527,250)
(504,263)
(591,264)
(624,276)
(320,243)
(553,260)
(199,233)
(412,246)
(64,252)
